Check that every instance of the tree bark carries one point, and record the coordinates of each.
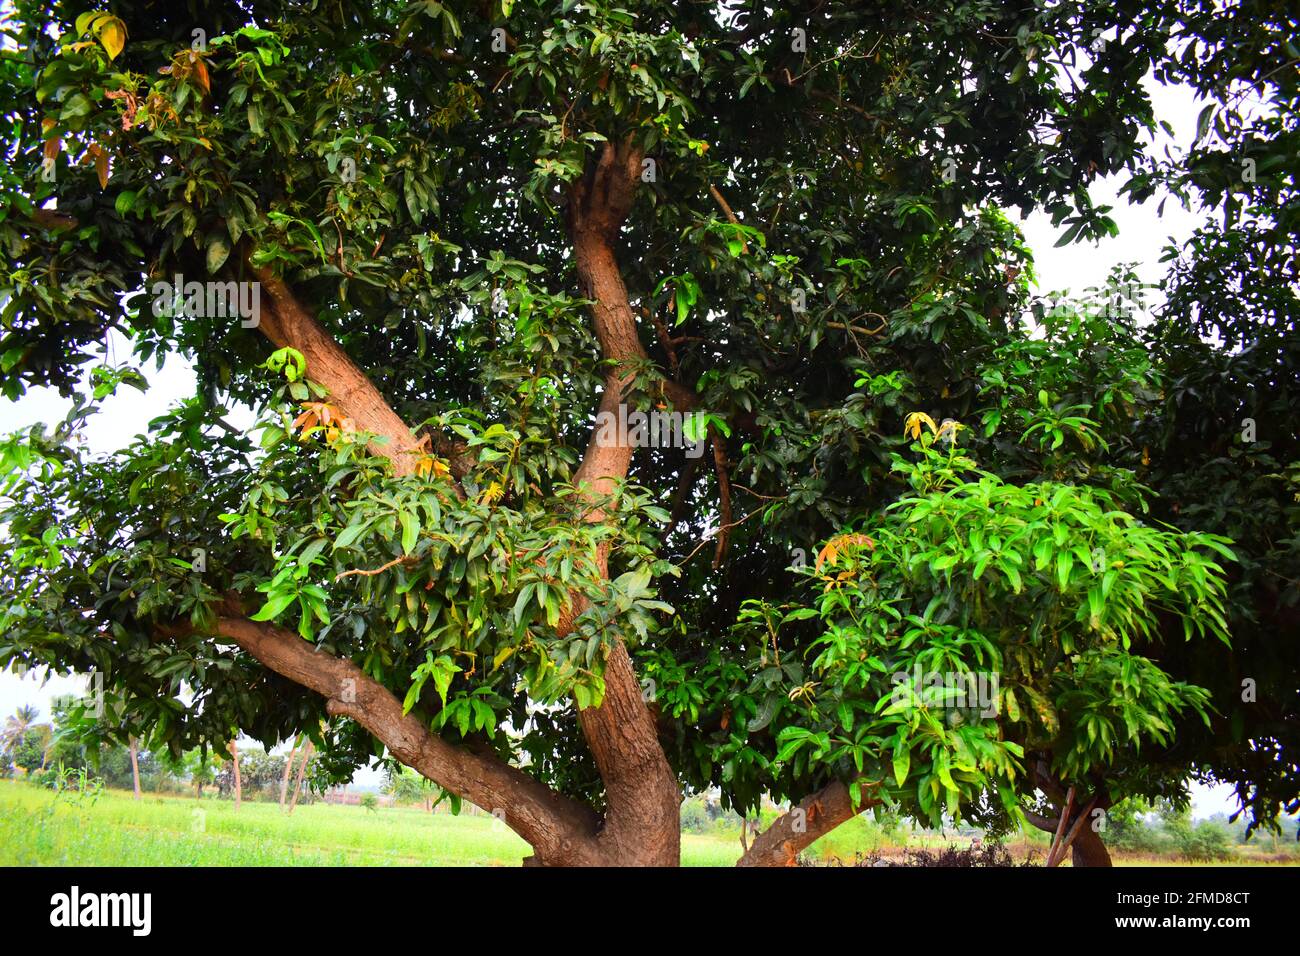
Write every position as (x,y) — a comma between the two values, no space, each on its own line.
(288,325)
(1088,849)
(642,819)
(234,756)
(135,770)
(801,826)
(288,769)
(307,751)
(560,830)
(1085,843)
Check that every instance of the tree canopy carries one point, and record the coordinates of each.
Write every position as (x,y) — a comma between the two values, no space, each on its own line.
(436,245)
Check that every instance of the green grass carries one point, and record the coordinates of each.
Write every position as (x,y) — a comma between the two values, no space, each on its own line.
(36,829)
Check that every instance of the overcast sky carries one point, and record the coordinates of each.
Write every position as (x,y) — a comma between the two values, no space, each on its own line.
(1142,236)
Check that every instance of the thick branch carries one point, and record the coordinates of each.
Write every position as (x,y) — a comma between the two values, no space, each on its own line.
(560,830)
(288,324)
(792,832)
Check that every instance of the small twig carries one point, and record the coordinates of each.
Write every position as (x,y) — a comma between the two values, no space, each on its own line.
(731,216)
(848,327)
(706,540)
(665,339)
(757,495)
(404,559)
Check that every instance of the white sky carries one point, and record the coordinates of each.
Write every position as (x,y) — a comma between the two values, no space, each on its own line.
(1142,236)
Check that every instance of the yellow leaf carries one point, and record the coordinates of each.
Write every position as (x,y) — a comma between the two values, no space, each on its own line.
(53,144)
(912,427)
(950,429)
(831,550)
(112,34)
(99,156)
(201,73)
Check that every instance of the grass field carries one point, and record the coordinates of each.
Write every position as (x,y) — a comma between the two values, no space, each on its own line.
(115,830)
(36,829)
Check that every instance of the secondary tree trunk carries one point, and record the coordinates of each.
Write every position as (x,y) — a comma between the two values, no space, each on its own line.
(302,769)
(234,756)
(135,770)
(1084,843)
(288,769)
(794,831)
(1088,849)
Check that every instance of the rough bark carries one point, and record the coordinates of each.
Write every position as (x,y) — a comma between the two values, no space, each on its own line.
(287,324)
(642,824)
(794,831)
(135,769)
(302,769)
(288,769)
(234,757)
(560,830)
(1088,849)
(1085,844)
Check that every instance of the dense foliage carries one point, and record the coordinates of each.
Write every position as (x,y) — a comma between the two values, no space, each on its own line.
(823,276)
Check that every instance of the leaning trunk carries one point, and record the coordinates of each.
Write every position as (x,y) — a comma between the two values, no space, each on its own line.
(234,756)
(641,824)
(288,769)
(135,770)
(302,768)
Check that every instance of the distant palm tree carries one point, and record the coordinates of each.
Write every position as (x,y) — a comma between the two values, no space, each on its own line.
(18,726)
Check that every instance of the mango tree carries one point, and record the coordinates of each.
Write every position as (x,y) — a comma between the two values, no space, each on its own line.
(436,248)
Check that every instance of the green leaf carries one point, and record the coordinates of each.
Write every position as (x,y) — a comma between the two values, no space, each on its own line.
(350,534)
(410,530)
(902,762)
(1064,564)
(274,605)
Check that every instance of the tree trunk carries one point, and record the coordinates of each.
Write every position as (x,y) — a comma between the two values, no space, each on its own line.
(302,769)
(1089,850)
(135,770)
(1085,843)
(642,817)
(234,756)
(642,798)
(288,769)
